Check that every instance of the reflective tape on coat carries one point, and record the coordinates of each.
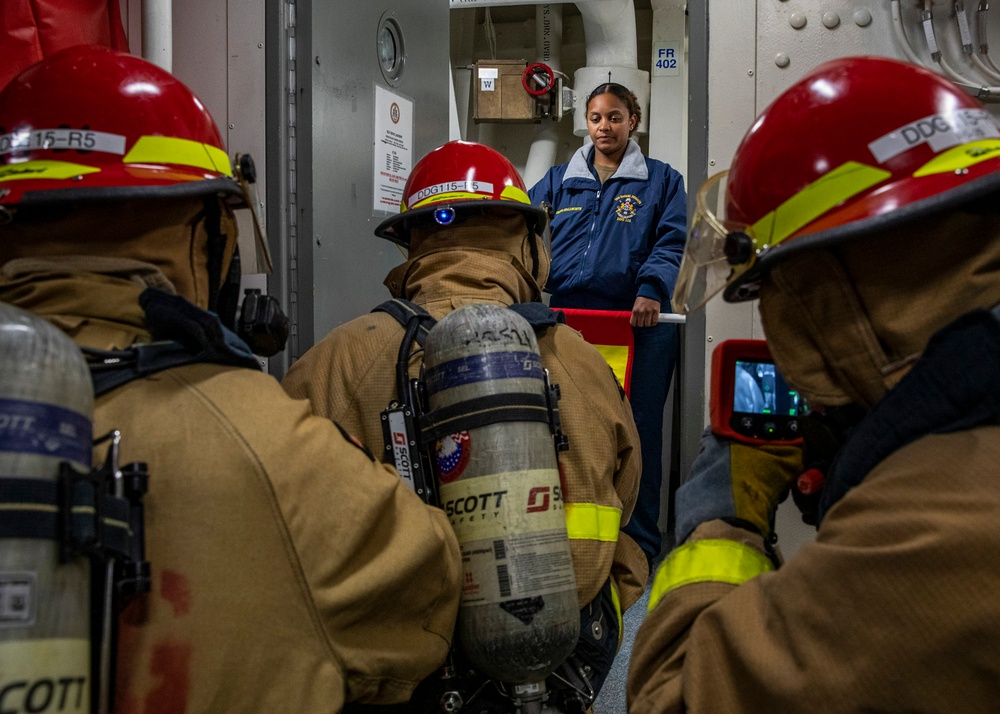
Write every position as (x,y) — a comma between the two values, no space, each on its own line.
(718,561)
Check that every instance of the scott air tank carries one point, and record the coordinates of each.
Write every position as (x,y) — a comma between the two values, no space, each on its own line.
(46,408)
(499,484)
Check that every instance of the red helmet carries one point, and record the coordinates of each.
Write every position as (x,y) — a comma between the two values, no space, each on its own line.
(89,123)
(858,145)
(455,179)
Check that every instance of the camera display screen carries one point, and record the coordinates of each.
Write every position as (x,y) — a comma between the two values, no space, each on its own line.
(760,389)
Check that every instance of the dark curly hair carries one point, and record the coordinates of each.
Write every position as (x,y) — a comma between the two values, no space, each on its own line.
(623,93)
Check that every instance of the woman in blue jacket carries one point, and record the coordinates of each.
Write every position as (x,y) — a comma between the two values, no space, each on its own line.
(617,238)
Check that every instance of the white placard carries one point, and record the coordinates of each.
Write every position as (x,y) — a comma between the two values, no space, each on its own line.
(488,72)
(393,149)
(667,59)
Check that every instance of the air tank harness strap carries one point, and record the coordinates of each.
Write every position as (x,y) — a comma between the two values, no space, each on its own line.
(77,511)
(185,334)
(483,411)
(473,413)
(403,311)
(539,316)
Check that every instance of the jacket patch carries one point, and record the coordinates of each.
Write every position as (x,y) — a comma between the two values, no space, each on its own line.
(626,206)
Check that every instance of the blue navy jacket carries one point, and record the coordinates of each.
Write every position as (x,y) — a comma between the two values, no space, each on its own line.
(614,242)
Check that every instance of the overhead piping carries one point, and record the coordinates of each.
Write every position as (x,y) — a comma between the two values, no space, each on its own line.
(158,33)
(458,4)
(548,49)
(983,92)
(612,55)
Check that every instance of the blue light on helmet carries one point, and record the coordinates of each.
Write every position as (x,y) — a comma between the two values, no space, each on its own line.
(444,216)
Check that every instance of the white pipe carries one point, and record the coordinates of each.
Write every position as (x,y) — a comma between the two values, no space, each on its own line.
(982,92)
(612,55)
(463,32)
(988,70)
(548,49)
(454,129)
(158,33)
(548,35)
(456,4)
(609,29)
(904,43)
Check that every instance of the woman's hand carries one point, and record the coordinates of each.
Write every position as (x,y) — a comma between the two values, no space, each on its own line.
(645,312)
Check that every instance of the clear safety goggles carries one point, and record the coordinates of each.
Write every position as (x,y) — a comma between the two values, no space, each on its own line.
(717,250)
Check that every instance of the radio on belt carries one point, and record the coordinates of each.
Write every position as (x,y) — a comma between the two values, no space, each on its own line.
(750,401)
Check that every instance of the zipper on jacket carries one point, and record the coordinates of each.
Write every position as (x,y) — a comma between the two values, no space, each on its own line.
(590,237)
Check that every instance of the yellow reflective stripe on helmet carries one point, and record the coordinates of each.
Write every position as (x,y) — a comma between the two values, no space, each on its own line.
(618,611)
(718,561)
(588,521)
(960,157)
(513,193)
(452,196)
(844,182)
(44,170)
(182,152)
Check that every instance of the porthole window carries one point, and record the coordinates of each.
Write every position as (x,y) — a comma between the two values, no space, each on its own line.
(390,49)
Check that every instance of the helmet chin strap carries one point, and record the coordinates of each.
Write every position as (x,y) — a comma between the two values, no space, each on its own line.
(533,247)
(216,254)
(228,296)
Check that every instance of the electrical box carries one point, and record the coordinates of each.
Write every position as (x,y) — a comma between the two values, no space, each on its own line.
(499,95)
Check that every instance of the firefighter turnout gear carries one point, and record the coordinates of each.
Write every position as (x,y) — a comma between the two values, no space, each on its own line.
(92,125)
(290,570)
(880,309)
(349,377)
(895,578)
(269,531)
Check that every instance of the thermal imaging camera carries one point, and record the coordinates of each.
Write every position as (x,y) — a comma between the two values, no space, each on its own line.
(750,401)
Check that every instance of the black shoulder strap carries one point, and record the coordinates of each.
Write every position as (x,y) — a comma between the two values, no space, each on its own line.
(403,311)
(418,322)
(110,369)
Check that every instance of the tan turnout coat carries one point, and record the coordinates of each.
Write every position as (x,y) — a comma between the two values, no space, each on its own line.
(895,607)
(290,572)
(350,377)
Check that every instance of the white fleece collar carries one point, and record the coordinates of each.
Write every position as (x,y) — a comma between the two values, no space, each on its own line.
(633,165)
